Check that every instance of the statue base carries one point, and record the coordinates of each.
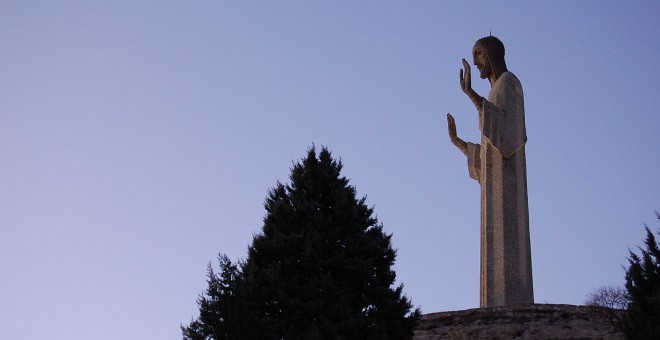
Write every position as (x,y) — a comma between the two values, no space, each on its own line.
(537,321)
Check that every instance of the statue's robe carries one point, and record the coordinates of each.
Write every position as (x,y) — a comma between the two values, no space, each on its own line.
(498,164)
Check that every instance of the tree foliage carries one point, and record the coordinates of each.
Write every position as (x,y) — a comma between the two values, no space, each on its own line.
(608,296)
(321,268)
(642,319)
(217,307)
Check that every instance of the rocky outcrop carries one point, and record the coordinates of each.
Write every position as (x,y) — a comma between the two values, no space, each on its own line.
(521,322)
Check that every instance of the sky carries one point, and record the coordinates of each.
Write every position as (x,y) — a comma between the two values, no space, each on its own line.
(139,139)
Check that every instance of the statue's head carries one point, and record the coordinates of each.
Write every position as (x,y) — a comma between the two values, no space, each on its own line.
(488,54)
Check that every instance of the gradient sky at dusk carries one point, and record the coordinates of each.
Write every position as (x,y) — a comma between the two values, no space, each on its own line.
(139,138)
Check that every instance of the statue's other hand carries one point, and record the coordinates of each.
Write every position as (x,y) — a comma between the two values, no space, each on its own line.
(453,136)
(451,126)
(466,78)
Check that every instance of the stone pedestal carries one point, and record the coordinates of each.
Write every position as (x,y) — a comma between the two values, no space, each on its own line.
(521,322)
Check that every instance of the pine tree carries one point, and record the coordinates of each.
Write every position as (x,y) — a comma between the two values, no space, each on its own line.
(642,319)
(217,307)
(321,268)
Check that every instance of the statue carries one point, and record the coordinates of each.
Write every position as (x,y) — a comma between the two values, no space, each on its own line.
(498,164)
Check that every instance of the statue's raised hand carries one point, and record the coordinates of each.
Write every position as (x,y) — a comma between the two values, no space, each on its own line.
(466,78)
(453,136)
(466,85)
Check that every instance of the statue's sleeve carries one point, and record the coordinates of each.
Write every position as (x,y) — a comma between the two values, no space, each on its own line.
(474,160)
(502,118)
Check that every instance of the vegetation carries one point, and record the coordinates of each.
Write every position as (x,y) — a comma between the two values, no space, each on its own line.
(642,318)
(321,268)
(608,296)
(218,316)
(636,309)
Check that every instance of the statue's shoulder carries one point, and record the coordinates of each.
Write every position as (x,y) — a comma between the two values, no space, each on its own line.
(509,80)
(508,76)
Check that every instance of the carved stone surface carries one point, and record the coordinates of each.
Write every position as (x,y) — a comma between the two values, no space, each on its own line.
(521,322)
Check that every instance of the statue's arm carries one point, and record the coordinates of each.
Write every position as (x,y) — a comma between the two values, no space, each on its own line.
(453,136)
(470,150)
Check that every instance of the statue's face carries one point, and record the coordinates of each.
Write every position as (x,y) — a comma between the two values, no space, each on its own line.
(480,56)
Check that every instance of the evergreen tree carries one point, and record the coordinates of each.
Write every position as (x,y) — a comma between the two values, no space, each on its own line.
(217,308)
(321,268)
(642,319)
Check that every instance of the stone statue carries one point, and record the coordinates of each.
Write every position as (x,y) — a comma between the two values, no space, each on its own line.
(498,164)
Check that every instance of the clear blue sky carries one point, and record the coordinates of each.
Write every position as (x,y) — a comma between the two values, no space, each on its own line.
(139,138)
